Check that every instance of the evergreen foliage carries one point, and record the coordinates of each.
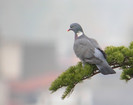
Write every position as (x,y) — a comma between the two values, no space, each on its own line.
(118,57)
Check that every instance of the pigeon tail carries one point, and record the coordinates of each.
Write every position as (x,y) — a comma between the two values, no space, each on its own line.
(105,69)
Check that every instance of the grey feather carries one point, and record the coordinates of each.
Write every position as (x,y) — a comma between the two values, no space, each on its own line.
(89,51)
(105,68)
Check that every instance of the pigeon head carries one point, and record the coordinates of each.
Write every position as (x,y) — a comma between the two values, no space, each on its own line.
(75,27)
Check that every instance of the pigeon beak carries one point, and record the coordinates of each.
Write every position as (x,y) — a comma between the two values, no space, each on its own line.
(69,29)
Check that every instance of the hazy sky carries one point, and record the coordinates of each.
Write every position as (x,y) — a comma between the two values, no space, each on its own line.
(48,20)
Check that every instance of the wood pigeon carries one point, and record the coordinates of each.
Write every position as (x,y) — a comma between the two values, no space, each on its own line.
(89,51)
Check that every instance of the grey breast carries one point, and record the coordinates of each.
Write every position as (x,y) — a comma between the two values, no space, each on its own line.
(83,48)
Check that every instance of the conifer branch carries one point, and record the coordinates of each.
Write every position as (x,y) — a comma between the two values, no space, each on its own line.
(118,57)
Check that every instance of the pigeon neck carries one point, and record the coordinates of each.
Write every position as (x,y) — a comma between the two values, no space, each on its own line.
(78,34)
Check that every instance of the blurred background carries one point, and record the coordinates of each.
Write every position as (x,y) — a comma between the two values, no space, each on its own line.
(35,48)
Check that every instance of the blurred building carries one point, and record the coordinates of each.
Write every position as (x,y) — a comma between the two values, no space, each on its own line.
(35,48)
(38,59)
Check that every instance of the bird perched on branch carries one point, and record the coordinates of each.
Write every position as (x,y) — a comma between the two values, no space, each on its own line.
(89,51)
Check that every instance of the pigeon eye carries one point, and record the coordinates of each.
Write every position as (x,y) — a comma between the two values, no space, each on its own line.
(72,26)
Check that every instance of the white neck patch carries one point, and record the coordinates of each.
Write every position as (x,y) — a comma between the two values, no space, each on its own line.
(79,33)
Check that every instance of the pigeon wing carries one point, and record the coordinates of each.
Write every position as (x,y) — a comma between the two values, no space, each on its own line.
(86,49)
(96,45)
